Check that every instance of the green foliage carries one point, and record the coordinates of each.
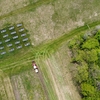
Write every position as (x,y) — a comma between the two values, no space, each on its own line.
(87,55)
(91,56)
(82,75)
(79,56)
(72,43)
(91,98)
(97,36)
(87,90)
(90,44)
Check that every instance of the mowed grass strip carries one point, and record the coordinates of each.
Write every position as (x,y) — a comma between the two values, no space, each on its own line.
(3,94)
(8,88)
(26,8)
(47,79)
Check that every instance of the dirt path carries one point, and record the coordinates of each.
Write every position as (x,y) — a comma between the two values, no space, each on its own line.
(20,94)
(15,89)
(8,88)
(43,85)
(65,91)
(60,97)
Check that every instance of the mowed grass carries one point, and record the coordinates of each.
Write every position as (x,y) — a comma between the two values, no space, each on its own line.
(5,87)
(47,79)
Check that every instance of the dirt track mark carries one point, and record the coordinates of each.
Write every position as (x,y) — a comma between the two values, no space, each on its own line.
(2,90)
(15,89)
(59,94)
(8,88)
(43,85)
(21,88)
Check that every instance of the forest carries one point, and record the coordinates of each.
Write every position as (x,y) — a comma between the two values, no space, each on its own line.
(85,55)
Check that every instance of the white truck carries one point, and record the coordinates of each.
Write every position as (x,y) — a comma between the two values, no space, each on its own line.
(35,67)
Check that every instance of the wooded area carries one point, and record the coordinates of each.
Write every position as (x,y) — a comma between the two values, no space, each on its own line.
(85,50)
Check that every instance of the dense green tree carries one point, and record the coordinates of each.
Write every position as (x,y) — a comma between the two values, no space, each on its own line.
(82,74)
(97,36)
(90,44)
(91,56)
(86,53)
(72,43)
(91,98)
(87,90)
(78,56)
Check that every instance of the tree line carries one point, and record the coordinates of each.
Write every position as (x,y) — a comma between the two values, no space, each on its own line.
(85,50)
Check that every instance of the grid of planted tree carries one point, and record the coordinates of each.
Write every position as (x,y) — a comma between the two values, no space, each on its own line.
(13,38)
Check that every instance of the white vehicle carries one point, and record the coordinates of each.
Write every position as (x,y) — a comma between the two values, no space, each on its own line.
(2,31)
(15,37)
(3,53)
(5,36)
(19,47)
(1,48)
(36,70)
(22,35)
(27,44)
(17,42)
(13,32)
(11,50)
(9,45)
(0,42)
(22,29)
(25,39)
(11,28)
(7,40)
(35,67)
(18,25)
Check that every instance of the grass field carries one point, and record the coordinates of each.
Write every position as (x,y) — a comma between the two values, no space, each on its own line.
(49,24)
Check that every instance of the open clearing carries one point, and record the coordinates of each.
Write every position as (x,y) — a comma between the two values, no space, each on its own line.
(48,23)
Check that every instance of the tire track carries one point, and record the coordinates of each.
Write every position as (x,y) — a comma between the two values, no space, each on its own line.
(42,83)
